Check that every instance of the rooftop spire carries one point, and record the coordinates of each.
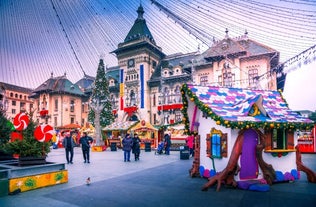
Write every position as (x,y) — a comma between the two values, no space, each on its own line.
(140,12)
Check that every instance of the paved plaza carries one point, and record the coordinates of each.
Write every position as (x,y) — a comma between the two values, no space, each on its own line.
(155,180)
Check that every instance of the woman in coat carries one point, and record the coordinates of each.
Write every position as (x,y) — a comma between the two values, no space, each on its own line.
(136,147)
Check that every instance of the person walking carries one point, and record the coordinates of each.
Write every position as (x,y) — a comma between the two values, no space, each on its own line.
(69,145)
(167,139)
(127,143)
(136,146)
(85,142)
(190,143)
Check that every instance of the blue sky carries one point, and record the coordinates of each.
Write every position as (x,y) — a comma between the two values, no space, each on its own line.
(39,37)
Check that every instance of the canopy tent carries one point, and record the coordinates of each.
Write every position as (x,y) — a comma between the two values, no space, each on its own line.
(120,126)
(69,126)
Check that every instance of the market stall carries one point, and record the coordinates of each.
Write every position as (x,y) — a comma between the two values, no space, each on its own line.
(116,131)
(306,141)
(73,128)
(147,133)
(177,136)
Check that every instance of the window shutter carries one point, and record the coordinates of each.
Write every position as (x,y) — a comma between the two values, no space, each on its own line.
(224,145)
(208,145)
(290,140)
(268,140)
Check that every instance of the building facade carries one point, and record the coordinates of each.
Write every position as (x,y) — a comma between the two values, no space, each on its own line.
(15,99)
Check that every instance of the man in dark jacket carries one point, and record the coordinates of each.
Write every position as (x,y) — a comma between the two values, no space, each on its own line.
(69,145)
(167,139)
(127,143)
(85,142)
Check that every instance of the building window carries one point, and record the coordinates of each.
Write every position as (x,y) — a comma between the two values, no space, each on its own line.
(13,111)
(16,95)
(56,105)
(13,103)
(11,95)
(227,78)
(22,105)
(216,143)
(252,75)
(55,121)
(154,100)
(72,106)
(72,120)
(177,116)
(279,139)
(203,80)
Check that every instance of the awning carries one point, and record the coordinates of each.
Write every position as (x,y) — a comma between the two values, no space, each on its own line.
(69,126)
(120,126)
(143,126)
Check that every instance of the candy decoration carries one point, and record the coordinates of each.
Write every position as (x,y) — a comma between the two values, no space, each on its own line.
(21,121)
(43,133)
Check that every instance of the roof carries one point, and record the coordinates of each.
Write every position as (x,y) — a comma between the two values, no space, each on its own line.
(85,82)
(139,29)
(239,108)
(237,47)
(15,88)
(58,85)
(143,126)
(120,126)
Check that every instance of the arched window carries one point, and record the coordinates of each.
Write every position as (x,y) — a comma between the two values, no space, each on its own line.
(133,98)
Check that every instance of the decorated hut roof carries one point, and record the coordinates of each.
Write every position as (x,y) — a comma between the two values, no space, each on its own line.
(143,126)
(120,126)
(242,108)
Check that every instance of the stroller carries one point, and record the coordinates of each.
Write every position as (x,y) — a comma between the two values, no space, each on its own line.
(160,148)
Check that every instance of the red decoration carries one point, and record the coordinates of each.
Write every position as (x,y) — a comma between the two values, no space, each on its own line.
(16,136)
(143,122)
(43,133)
(21,121)
(171,106)
(130,110)
(43,113)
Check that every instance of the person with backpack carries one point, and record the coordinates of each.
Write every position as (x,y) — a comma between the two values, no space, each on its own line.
(136,146)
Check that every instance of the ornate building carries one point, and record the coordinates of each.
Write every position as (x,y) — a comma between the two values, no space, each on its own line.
(146,84)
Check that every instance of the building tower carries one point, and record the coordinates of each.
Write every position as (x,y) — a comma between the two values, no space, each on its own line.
(137,58)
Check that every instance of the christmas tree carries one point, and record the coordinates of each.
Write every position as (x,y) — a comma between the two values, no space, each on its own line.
(100,113)
(28,146)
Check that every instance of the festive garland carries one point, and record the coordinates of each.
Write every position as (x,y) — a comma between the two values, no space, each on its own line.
(186,92)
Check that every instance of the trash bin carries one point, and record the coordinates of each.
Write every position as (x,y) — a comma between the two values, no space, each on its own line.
(184,153)
(147,146)
(113,146)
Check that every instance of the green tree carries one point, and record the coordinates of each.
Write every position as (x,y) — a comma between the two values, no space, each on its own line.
(5,131)
(101,95)
(312,116)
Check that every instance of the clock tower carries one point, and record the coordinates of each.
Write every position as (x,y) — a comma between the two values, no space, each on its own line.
(137,58)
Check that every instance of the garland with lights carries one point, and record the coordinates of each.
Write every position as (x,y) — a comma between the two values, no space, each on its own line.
(186,92)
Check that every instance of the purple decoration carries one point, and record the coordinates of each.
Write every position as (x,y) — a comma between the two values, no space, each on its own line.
(288,176)
(206,173)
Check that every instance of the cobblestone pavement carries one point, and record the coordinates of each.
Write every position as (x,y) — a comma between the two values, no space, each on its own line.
(154,180)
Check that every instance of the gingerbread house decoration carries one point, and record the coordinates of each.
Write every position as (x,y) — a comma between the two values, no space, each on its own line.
(242,135)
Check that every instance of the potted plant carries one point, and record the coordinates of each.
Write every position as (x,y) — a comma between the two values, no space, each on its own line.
(29,149)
